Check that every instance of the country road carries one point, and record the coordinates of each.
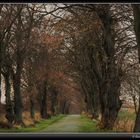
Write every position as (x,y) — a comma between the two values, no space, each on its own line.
(70,123)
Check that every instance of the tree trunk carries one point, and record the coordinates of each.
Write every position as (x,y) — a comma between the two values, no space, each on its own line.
(18,107)
(20,52)
(18,103)
(43,100)
(110,106)
(53,101)
(67,107)
(31,96)
(110,84)
(86,98)
(62,106)
(91,97)
(96,105)
(9,106)
(136,13)
(32,108)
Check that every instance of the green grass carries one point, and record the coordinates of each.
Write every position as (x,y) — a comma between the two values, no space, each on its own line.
(42,124)
(87,125)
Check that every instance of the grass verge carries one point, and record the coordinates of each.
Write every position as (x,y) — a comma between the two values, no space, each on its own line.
(124,123)
(42,124)
(87,125)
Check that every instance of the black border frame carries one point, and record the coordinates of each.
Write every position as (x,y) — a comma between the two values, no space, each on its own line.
(70,135)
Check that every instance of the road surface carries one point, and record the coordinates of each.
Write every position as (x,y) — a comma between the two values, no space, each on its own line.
(70,123)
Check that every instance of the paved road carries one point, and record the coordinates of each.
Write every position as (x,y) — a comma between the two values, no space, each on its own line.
(69,123)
